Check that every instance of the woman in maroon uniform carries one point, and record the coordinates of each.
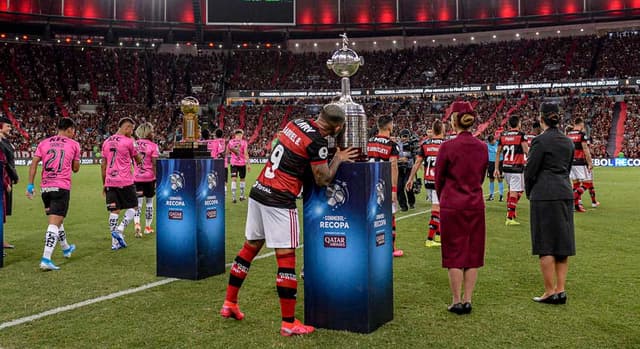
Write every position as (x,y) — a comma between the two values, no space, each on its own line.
(460,168)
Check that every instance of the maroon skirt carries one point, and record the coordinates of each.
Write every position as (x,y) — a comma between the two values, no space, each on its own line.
(463,234)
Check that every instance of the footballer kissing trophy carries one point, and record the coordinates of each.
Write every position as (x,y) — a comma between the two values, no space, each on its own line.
(348,250)
(345,62)
(190,205)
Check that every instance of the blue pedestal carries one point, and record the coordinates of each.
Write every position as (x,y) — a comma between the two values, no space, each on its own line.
(190,218)
(348,261)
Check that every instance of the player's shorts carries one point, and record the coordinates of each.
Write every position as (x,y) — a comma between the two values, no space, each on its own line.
(226,175)
(278,226)
(434,196)
(240,171)
(121,198)
(580,173)
(56,201)
(146,189)
(492,168)
(515,181)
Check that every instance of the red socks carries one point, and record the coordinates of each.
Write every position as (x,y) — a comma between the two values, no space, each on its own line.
(512,203)
(578,190)
(287,285)
(434,224)
(239,271)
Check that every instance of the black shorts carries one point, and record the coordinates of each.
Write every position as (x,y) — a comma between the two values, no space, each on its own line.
(56,201)
(226,175)
(146,189)
(238,171)
(491,168)
(121,198)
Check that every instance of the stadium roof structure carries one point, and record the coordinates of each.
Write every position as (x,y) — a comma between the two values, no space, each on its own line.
(280,20)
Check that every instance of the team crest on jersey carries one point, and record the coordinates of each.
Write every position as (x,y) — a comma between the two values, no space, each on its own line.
(177,181)
(323,153)
(380,186)
(212,180)
(337,194)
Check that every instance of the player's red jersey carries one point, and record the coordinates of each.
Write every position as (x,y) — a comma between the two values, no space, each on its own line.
(529,138)
(512,151)
(578,137)
(299,145)
(429,152)
(381,148)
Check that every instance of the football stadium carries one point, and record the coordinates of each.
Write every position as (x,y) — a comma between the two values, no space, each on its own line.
(299,173)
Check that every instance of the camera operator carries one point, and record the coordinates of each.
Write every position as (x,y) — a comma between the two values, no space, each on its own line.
(408,144)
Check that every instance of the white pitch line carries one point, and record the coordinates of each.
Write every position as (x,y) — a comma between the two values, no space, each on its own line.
(74,306)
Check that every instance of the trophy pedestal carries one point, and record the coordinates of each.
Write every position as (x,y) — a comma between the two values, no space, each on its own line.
(189,150)
(348,252)
(190,205)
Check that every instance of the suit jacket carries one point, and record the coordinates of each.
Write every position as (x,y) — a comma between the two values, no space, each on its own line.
(10,165)
(461,166)
(546,175)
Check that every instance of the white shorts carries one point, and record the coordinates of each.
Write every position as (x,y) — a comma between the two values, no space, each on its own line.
(278,226)
(434,196)
(515,181)
(580,173)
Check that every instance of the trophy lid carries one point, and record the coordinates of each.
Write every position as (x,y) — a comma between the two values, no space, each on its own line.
(345,61)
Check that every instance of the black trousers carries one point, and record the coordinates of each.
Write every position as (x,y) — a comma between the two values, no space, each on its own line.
(405,198)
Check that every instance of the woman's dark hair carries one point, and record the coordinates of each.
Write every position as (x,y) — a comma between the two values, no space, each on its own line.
(437,127)
(550,114)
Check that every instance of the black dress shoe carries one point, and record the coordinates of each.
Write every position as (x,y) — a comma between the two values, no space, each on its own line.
(562,297)
(467,307)
(457,308)
(553,299)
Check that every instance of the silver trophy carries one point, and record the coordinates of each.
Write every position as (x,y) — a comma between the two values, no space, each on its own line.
(345,63)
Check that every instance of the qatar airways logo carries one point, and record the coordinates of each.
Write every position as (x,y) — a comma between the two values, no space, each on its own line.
(335,241)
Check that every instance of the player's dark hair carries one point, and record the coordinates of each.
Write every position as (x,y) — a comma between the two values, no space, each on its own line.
(125,120)
(66,123)
(578,121)
(550,114)
(218,133)
(514,121)
(384,120)
(205,134)
(491,138)
(437,127)
(333,114)
(536,125)
(238,132)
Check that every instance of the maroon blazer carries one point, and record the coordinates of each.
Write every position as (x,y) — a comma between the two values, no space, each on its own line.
(461,166)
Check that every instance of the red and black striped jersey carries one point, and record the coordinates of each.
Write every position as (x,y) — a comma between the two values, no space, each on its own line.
(381,148)
(512,151)
(429,152)
(299,145)
(578,137)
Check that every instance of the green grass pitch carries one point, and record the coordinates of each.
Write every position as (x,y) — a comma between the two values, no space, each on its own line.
(603,308)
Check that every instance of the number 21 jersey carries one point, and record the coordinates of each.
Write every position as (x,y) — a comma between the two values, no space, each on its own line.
(299,145)
(513,160)
(57,154)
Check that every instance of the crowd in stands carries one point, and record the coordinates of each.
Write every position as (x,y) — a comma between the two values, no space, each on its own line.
(40,83)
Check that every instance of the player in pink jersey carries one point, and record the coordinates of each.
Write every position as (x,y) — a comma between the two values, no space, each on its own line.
(238,149)
(145,176)
(60,156)
(118,152)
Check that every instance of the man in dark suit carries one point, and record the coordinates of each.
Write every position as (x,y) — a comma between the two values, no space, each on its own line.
(10,166)
(551,198)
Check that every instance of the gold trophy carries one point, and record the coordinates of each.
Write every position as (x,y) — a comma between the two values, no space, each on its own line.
(190,146)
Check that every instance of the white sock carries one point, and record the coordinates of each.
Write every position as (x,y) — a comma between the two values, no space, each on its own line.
(128,217)
(113,221)
(233,190)
(50,240)
(241,189)
(148,218)
(62,237)
(136,218)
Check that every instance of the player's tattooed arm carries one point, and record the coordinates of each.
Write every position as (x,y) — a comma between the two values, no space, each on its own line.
(324,174)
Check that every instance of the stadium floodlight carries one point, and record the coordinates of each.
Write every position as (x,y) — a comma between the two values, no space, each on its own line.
(517,35)
(454,39)
(558,31)
(315,44)
(297,45)
(220,46)
(537,33)
(472,38)
(433,40)
(495,36)
(375,42)
(58,40)
(121,44)
(153,45)
(394,42)
(581,29)
(137,44)
(414,42)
